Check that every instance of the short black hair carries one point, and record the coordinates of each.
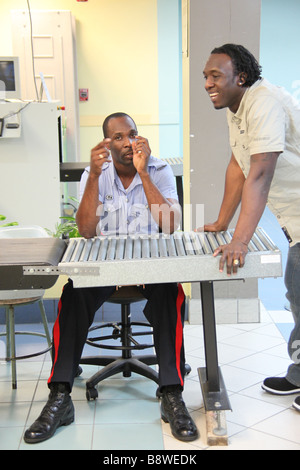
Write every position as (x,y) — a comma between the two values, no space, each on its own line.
(243,62)
(112,116)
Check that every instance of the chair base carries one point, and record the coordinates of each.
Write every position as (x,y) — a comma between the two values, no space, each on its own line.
(127,362)
(113,365)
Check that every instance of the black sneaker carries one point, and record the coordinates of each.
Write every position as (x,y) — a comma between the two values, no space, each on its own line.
(279,386)
(296,404)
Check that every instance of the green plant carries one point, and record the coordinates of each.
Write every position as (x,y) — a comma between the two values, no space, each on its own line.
(68,227)
(8,224)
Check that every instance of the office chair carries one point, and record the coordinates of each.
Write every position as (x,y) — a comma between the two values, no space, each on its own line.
(11,299)
(124,332)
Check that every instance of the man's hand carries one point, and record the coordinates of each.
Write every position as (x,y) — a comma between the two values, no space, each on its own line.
(233,255)
(99,155)
(87,216)
(141,154)
(213,227)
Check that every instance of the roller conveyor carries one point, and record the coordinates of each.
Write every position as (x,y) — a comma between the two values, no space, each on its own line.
(143,259)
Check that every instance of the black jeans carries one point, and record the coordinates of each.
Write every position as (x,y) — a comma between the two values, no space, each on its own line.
(76,310)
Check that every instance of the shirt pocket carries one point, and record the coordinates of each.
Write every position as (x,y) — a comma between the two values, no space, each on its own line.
(110,219)
(240,150)
(139,218)
(240,143)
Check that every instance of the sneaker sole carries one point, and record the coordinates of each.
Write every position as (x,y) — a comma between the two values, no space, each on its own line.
(278,392)
(296,406)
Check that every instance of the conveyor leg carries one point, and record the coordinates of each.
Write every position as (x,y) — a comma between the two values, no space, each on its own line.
(214,393)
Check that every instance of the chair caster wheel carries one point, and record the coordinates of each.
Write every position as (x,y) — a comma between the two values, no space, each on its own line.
(187,368)
(115,333)
(91,394)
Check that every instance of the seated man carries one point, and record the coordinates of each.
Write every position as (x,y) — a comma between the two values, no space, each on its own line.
(124,191)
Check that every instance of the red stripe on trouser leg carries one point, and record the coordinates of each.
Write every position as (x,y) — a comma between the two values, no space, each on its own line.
(56,339)
(179,330)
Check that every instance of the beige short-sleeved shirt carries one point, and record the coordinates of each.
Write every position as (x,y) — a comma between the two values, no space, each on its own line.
(268,120)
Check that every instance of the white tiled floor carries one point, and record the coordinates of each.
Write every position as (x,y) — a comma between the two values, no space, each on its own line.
(126,414)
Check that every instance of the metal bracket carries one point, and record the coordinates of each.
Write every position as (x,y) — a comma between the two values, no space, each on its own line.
(58,270)
(214,400)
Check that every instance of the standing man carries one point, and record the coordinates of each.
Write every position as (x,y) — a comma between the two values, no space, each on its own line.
(124,191)
(264,169)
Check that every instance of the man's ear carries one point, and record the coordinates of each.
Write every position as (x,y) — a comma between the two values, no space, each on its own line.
(242,78)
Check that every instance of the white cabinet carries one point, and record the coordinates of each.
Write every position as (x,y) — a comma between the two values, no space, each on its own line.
(54,49)
(29,166)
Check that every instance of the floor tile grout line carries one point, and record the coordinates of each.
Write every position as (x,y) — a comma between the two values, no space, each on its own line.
(268,433)
(30,408)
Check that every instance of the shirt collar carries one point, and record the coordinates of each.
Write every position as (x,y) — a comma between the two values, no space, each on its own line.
(238,115)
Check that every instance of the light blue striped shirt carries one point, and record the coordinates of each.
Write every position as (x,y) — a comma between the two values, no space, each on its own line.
(126,211)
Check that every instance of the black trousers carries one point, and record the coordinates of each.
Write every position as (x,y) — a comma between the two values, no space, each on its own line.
(164,311)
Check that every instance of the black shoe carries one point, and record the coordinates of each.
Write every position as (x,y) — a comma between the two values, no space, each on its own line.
(58,411)
(279,386)
(173,411)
